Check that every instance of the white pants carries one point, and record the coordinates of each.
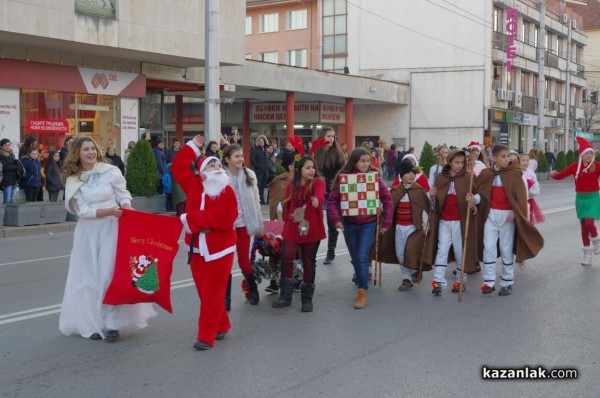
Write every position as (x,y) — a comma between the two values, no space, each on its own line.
(449,234)
(402,234)
(497,228)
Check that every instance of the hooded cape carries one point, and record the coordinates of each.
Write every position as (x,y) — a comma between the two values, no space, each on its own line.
(528,241)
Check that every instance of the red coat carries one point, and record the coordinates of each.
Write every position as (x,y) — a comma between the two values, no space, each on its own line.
(214,216)
(314,216)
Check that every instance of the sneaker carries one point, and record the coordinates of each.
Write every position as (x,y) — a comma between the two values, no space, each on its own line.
(220,335)
(201,345)
(111,336)
(406,285)
(272,288)
(485,289)
(437,288)
(328,260)
(456,287)
(505,290)
(522,265)
(297,286)
(95,336)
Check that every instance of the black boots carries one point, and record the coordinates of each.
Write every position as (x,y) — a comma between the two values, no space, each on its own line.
(252,289)
(228,296)
(306,295)
(285,293)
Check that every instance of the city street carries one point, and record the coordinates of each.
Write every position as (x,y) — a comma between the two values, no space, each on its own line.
(410,344)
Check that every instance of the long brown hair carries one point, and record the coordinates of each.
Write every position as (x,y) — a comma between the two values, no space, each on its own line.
(297,191)
(350,165)
(72,164)
(329,157)
(227,153)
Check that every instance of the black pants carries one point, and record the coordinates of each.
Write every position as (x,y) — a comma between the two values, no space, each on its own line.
(53,196)
(31,193)
(263,178)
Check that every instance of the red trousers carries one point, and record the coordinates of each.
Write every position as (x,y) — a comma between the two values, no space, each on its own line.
(243,250)
(211,283)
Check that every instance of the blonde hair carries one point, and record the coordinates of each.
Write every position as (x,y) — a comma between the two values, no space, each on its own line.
(72,164)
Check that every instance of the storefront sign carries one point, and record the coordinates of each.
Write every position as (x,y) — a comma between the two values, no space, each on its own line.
(10,119)
(529,120)
(514,117)
(58,126)
(130,122)
(307,112)
(496,115)
(192,119)
(512,17)
(333,113)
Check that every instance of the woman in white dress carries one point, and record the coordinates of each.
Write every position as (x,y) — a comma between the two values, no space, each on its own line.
(94,190)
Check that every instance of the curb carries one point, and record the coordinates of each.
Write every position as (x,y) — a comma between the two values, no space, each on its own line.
(14,232)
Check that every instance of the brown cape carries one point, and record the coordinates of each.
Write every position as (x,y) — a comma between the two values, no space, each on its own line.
(419,202)
(277,193)
(528,241)
(461,185)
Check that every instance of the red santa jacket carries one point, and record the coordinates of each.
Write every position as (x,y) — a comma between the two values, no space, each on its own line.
(211,218)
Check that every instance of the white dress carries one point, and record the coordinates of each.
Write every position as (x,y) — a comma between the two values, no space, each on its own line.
(92,261)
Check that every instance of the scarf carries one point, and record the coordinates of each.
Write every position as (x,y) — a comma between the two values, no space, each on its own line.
(250,200)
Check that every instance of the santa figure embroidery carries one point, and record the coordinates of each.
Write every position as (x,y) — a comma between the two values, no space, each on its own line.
(210,238)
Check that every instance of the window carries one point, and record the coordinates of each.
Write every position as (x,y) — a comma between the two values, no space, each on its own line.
(271,56)
(296,58)
(535,86)
(335,35)
(248,25)
(269,23)
(498,25)
(248,56)
(536,36)
(525,83)
(560,92)
(296,19)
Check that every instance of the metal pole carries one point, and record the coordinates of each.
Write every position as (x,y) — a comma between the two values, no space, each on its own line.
(212,103)
(541,78)
(568,99)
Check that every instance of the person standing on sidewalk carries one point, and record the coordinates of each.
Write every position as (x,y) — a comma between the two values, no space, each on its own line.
(249,220)
(329,159)
(259,159)
(10,175)
(32,182)
(53,171)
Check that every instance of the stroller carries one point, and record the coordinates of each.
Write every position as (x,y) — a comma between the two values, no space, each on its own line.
(270,245)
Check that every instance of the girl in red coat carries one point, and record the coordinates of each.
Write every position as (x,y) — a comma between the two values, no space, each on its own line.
(211,210)
(587,197)
(303,230)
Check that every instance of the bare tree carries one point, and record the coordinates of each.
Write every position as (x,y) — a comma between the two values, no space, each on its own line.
(591,117)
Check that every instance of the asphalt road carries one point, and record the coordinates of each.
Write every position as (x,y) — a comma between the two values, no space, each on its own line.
(403,344)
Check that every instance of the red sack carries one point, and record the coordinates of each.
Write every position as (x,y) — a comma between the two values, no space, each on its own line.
(146,247)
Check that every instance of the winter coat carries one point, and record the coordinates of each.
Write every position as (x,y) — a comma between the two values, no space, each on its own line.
(115,160)
(33,170)
(277,193)
(9,169)
(53,174)
(160,160)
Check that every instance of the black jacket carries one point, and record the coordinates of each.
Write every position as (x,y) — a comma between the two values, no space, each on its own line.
(116,161)
(259,158)
(53,181)
(9,169)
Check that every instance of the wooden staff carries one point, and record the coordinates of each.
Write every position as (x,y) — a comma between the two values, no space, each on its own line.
(377,263)
(464,255)
(419,275)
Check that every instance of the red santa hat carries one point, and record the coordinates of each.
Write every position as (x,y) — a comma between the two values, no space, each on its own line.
(202,163)
(584,147)
(474,145)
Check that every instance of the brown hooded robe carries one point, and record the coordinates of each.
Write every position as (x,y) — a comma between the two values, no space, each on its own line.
(461,186)
(277,193)
(528,241)
(419,202)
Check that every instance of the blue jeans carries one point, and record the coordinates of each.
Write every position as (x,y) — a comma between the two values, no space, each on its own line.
(9,194)
(359,238)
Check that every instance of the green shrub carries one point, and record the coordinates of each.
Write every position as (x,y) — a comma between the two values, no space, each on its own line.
(561,161)
(142,171)
(427,158)
(542,162)
(279,170)
(571,157)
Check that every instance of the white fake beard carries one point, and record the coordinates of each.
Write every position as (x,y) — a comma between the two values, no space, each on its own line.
(215,182)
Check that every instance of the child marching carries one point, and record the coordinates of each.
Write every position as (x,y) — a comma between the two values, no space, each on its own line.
(453,203)
(587,198)
(359,231)
(303,230)
(421,178)
(503,213)
(403,243)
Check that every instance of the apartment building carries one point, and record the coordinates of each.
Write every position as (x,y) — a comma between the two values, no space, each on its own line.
(449,53)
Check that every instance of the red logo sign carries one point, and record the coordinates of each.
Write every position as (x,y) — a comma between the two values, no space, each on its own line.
(59,126)
(100,79)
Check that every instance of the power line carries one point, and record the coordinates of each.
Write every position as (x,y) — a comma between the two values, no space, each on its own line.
(461,15)
(416,32)
(470,13)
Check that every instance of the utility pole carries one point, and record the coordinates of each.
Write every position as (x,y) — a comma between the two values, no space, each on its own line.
(568,99)
(541,78)
(212,102)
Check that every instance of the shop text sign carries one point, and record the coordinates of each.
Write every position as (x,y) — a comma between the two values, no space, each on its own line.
(309,112)
(512,26)
(58,126)
(192,119)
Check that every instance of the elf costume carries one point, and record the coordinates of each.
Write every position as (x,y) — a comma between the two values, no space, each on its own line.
(587,198)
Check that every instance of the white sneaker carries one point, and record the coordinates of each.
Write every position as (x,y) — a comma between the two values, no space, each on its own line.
(522,265)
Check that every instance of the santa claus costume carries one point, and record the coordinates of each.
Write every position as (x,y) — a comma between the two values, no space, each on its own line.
(476,156)
(211,210)
(587,197)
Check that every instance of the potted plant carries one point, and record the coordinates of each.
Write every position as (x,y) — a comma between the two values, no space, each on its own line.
(142,179)
(23,213)
(542,168)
